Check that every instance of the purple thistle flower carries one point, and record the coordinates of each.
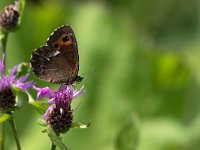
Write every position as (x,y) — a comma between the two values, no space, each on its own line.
(61,98)
(59,114)
(11,80)
(7,98)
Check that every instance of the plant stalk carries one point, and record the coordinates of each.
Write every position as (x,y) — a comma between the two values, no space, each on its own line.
(2,126)
(13,127)
(3,46)
(53,146)
(3,52)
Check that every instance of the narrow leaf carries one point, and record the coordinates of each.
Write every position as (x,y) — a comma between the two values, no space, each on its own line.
(21,5)
(15,89)
(21,99)
(23,68)
(80,125)
(4,117)
(44,131)
(56,139)
(40,106)
(30,98)
(42,122)
(1,36)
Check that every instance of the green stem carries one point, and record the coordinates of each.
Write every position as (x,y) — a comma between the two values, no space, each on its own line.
(13,127)
(53,146)
(2,136)
(3,51)
(4,40)
(3,46)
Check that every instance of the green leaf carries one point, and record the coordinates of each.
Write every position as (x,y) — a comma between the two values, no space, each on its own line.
(79,125)
(15,89)
(21,5)
(42,122)
(21,99)
(44,131)
(1,36)
(30,98)
(41,106)
(55,139)
(128,136)
(23,68)
(4,117)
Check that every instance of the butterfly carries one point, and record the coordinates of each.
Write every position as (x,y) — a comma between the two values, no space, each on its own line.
(57,61)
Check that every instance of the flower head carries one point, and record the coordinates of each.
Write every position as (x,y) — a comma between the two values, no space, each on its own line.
(8,81)
(59,113)
(9,17)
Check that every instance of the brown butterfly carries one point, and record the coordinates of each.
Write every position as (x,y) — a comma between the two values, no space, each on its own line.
(58,61)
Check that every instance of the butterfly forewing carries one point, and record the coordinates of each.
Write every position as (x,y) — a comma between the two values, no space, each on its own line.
(62,36)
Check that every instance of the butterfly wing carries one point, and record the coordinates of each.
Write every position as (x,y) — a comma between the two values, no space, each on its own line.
(53,65)
(63,36)
(58,60)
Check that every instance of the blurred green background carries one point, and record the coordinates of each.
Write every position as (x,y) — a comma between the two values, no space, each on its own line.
(145,94)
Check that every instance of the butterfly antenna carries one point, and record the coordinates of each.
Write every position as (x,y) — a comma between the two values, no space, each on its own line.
(91,71)
(76,107)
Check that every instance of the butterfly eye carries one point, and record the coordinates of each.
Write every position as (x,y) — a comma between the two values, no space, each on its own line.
(65,39)
(55,45)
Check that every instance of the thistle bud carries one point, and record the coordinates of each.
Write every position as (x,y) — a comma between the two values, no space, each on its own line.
(9,17)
